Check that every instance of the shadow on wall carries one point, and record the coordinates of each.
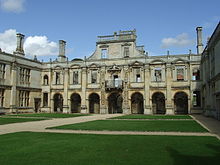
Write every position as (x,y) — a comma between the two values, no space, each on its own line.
(187,159)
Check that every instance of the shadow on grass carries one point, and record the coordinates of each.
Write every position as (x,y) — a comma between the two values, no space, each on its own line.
(187,159)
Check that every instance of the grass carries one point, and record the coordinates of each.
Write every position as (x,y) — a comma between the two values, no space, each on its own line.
(27,148)
(50,115)
(153,117)
(16,120)
(137,125)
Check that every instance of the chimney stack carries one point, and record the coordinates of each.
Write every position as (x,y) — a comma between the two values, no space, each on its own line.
(20,43)
(199,40)
(62,45)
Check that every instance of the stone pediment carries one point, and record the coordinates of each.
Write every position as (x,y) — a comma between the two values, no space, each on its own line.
(93,65)
(136,64)
(75,66)
(179,61)
(58,67)
(157,61)
(114,68)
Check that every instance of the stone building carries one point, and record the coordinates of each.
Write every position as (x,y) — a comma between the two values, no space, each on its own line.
(119,77)
(211,75)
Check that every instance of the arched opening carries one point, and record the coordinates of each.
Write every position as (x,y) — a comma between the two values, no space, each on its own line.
(158,103)
(181,103)
(115,103)
(137,103)
(58,102)
(94,103)
(75,103)
(46,80)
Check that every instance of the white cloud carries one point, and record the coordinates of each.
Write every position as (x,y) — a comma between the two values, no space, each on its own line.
(15,6)
(180,40)
(8,40)
(40,46)
(33,45)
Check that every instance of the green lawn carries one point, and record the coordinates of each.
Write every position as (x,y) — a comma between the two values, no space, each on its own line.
(137,125)
(16,120)
(64,149)
(153,117)
(50,115)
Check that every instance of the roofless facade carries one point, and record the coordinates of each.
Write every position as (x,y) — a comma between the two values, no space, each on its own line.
(119,77)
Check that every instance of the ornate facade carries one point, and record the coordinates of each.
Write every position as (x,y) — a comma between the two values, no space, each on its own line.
(119,77)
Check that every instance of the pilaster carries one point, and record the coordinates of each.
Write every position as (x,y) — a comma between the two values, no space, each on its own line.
(84,85)
(147,108)
(169,106)
(13,100)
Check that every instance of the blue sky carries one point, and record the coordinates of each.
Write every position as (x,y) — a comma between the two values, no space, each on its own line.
(161,25)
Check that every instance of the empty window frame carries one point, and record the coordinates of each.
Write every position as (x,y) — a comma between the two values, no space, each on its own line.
(196,99)
(45,99)
(196,74)
(58,81)
(104,53)
(158,74)
(180,73)
(75,77)
(46,80)
(93,76)
(126,52)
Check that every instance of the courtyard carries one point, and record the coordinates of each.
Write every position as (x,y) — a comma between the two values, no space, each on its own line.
(106,139)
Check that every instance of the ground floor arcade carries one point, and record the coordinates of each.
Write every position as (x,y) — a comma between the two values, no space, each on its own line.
(131,102)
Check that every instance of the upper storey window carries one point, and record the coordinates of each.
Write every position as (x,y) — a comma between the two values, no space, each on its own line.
(137,75)
(58,81)
(75,77)
(46,80)
(24,75)
(2,71)
(180,73)
(158,74)
(126,51)
(196,75)
(93,76)
(104,53)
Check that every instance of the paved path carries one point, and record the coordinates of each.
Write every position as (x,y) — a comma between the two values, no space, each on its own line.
(209,123)
(40,126)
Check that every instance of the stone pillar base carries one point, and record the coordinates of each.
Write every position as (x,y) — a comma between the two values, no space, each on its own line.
(147,111)
(103,111)
(66,109)
(169,110)
(83,109)
(126,111)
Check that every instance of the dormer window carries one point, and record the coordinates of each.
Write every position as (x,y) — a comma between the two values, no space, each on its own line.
(126,51)
(104,53)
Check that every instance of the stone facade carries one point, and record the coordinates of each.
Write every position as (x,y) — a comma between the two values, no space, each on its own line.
(211,75)
(119,77)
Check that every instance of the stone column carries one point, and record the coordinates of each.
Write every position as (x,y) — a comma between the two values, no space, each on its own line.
(147,78)
(13,97)
(84,85)
(169,106)
(65,94)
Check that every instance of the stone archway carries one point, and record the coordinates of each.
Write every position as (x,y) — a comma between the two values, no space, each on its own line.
(137,103)
(115,103)
(94,103)
(181,103)
(158,103)
(58,102)
(75,103)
